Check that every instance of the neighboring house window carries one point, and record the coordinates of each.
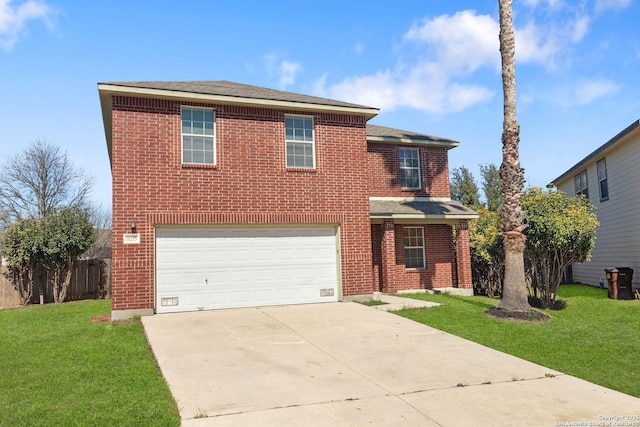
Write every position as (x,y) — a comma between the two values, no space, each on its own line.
(300,142)
(414,247)
(580,184)
(602,180)
(409,168)
(198,136)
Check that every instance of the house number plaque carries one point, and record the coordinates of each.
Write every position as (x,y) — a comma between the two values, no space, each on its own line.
(131,239)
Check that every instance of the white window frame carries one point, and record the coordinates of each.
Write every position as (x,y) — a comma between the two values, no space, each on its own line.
(406,168)
(297,142)
(602,178)
(414,247)
(581,186)
(185,134)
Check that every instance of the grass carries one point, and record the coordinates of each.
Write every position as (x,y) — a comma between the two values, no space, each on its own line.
(372,302)
(593,337)
(59,368)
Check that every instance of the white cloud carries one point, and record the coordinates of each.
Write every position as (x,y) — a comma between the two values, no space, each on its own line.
(287,71)
(460,97)
(424,88)
(14,17)
(602,5)
(438,55)
(358,48)
(452,47)
(463,42)
(580,28)
(588,91)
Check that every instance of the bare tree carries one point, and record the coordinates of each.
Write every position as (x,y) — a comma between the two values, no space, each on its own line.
(514,294)
(40,181)
(100,217)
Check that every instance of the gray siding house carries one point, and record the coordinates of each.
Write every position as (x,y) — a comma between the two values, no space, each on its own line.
(610,178)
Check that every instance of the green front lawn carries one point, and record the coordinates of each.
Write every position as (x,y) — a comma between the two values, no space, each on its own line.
(59,368)
(593,337)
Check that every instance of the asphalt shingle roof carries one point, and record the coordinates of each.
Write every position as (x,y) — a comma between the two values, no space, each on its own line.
(391,134)
(226,88)
(419,208)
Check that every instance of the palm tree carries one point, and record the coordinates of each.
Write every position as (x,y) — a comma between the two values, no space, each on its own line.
(514,294)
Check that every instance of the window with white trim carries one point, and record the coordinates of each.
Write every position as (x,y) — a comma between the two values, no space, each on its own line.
(198,135)
(414,247)
(299,137)
(409,168)
(603,184)
(581,185)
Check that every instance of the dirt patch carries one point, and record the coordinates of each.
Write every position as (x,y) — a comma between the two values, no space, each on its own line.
(518,315)
(101,319)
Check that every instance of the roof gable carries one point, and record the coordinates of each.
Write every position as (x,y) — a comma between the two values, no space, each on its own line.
(600,150)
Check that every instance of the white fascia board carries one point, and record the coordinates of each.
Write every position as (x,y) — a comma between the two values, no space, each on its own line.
(106,105)
(417,219)
(409,141)
(368,113)
(417,216)
(410,199)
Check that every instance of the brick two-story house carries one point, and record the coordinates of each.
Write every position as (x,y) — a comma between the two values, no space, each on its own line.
(228,195)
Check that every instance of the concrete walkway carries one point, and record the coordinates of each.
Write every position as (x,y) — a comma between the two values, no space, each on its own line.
(394,303)
(345,364)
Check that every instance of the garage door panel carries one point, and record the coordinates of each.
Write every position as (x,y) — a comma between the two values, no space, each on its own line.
(224,268)
(240,278)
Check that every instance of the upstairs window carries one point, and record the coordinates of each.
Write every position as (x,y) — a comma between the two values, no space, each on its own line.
(299,137)
(414,247)
(602,180)
(580,184)
(198,136)
(409,168)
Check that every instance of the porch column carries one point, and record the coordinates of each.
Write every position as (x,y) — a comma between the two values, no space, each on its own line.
(463,256)
(388,255)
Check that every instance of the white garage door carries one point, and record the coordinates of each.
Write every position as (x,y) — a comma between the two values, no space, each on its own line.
(209,268)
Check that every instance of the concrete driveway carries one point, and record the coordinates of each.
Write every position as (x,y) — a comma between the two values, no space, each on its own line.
(345,364)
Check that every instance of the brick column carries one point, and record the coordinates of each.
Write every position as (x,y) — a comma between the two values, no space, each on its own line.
(463,255)
(388,255)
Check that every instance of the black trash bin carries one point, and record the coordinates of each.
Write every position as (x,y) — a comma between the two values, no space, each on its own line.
(625,286)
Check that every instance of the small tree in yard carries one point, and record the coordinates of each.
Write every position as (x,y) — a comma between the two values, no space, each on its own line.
(54,243)
(21,246)
(487,253)
(561,231)
(66,235)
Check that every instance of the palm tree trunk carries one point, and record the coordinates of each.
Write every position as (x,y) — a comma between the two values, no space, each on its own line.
(514,296)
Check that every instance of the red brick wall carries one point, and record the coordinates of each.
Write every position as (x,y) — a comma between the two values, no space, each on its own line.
(249,185)
(439,258)
(440,271)
(384,168)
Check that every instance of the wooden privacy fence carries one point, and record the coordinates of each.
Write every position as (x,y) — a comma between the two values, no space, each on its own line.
(90,279)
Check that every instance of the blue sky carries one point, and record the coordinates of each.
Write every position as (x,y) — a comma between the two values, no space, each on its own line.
(430,66)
